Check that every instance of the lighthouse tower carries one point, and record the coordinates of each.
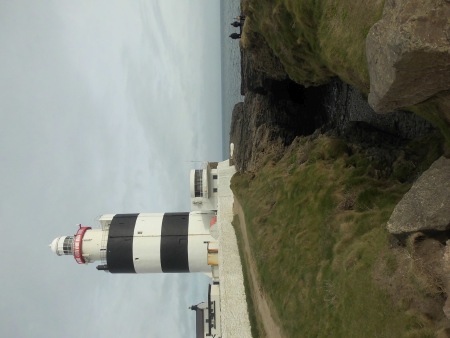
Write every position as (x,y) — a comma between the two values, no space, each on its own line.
(142,243)
(161,242)
(153,242)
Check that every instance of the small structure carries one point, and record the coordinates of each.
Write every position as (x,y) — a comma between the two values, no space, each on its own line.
(204,187)
(207,314)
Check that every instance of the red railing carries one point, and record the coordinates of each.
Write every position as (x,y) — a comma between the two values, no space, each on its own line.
(77,253)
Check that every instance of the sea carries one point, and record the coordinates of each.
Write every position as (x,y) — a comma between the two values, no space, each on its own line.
(231,68)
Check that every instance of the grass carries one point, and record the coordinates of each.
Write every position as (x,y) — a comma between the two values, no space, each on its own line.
(316,224)
(316,217)
(316,40)
(256,325)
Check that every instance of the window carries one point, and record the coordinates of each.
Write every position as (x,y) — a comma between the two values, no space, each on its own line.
(214,177)
(68,245)
(214,189)
(198,183)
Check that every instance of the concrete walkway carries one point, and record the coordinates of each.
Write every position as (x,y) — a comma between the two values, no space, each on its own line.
(235,322)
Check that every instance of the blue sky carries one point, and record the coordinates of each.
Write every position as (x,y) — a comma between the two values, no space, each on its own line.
(105,107)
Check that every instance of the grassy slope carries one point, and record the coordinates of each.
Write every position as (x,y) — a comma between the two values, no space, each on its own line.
(257,328)
(316,40)
(317,217)
(316,222)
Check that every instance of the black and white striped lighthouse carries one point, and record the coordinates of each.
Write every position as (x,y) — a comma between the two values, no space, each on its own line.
(144,243)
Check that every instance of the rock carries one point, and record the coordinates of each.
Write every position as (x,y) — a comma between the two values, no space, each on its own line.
(256,129)
(251,78)
(281,110)
(259,65)
(408,53)
(346,107)
(276,110)
(426,206)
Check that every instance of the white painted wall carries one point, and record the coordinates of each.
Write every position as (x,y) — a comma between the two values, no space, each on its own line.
(234,315)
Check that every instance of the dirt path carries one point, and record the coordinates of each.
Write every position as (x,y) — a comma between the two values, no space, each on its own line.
(259,298)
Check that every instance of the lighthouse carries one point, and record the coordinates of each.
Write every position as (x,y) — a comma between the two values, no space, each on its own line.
(180,242)
(144,243)
(154,242)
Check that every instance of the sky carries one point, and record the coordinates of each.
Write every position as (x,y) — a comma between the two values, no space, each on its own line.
(105,106)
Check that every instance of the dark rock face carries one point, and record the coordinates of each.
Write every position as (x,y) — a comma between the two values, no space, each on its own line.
(347,111)
(268,123)
(275,111)
(427,204)
(408,53)
(259,65)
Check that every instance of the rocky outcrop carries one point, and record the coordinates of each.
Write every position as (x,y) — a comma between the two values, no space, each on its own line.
(350,117)
(427,204)
(408,53)
(261,124)
(275,111)
(259,64)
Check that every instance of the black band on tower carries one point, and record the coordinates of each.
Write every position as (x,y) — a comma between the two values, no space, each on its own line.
(174,242)
(119,254)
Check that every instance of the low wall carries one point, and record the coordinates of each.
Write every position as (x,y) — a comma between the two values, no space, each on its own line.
(233,305)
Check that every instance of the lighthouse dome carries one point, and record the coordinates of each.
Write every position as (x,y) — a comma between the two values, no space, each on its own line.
(62,245)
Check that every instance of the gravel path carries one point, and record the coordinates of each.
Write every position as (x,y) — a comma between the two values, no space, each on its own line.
(260,300)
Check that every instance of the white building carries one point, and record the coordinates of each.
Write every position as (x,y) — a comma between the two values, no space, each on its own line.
(207,314)
(204,187)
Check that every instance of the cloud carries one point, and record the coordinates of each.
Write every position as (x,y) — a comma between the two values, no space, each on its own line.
(103,106)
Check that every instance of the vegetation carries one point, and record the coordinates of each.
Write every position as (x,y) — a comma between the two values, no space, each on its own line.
(437,111)
(257,327)
(316,215)
(316,40)
(316,222)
